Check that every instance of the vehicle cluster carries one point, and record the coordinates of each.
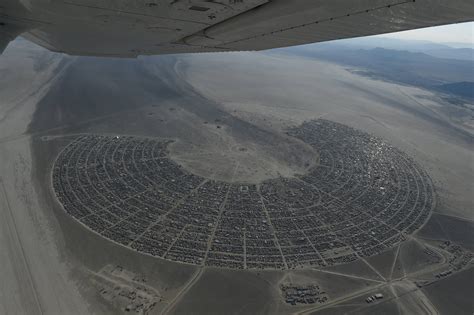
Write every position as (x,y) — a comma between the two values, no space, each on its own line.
(362,198)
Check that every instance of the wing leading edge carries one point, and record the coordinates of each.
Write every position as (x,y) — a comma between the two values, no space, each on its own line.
(146,27)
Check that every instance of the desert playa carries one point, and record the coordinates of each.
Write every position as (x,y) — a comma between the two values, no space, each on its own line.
(229,122)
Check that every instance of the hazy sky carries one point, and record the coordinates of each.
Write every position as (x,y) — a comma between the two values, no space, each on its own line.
(455,33)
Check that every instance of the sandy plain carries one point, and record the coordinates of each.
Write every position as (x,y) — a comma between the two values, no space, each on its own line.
(49,262)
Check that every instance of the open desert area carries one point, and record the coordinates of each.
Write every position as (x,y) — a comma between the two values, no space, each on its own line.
(248,148)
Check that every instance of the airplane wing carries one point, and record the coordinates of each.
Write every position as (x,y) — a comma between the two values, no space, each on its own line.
(128,28)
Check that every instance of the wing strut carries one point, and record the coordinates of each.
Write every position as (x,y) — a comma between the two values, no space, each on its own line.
(8,33)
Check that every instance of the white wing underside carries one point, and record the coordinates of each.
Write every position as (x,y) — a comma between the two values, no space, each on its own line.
(128,28)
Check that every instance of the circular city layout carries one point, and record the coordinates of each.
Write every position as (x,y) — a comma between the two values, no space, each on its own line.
(363,198)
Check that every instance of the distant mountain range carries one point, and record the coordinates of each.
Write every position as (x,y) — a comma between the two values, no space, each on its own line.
(406,62)
(448,51)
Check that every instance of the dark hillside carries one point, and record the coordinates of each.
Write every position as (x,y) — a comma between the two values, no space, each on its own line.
(462,89)
(405,67)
